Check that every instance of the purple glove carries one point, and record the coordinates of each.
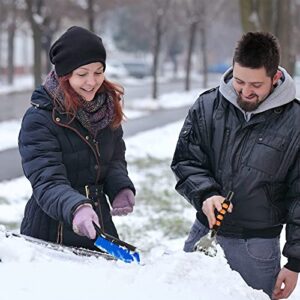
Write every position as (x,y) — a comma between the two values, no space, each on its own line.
(123,203)
(83,221)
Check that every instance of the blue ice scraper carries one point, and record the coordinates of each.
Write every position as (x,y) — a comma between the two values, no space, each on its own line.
(115,247)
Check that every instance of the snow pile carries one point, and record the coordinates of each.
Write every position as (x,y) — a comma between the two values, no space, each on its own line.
(32,272)
(27,270)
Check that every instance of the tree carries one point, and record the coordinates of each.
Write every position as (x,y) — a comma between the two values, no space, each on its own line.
(45,19)
(275,17)
(142,27)
(174,47)
(133,34)
(34,14)
(199,13)
(8,19)
(91,14)
(11,37)
(160,9)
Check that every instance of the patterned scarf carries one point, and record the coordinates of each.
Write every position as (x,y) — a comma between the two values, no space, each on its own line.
(93,115)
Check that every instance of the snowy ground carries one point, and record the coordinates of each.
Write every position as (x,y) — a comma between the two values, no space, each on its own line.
(158,227)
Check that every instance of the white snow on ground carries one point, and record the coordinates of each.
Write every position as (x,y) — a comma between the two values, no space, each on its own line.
(9,134)
(21,83)
(31,272)
(134,109)
(9,130)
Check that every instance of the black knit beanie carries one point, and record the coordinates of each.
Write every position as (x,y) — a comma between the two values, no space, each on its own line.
(75,48)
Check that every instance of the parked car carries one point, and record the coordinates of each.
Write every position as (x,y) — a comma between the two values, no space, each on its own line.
(137,69)
(297,68)
(115,69)
(218,68)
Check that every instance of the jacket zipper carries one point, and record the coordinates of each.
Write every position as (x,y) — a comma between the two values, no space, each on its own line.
(224,149)
(242,150)
(95,152)
(97,155)
(97,147)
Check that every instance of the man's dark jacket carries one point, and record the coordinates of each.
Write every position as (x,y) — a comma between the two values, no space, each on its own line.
(218,151)
(60,157)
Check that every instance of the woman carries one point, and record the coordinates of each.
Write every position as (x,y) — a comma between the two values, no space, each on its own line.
(72,148)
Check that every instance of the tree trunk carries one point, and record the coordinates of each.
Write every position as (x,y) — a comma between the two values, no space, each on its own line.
(50,27)
(37,41)
(274,16)
(1,65)
(284,34)
(46,47)
(37,69)
(246,10)
(257,15)
(156,51)
(90,14)
(11,44)
(204,56)
(10,61)
(1,34)
(192,39)
(267,15)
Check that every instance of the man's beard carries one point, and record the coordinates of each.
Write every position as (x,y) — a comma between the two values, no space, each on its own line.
(248,105)
(252,105)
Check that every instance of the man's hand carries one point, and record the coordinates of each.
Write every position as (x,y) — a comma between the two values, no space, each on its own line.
(285,284)
(209,206)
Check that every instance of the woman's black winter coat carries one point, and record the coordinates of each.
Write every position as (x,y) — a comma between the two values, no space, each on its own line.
(60,158)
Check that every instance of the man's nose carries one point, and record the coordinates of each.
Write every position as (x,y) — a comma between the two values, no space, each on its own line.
(246,91)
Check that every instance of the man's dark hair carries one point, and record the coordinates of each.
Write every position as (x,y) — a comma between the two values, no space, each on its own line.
(258,49)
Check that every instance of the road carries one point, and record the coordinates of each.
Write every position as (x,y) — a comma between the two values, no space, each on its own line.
(13,106)
(11,161)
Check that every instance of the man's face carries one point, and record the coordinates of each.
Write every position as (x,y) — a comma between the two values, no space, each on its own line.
(253,86)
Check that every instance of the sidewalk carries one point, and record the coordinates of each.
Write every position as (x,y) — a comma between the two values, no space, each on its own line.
(14,105)
(150,114)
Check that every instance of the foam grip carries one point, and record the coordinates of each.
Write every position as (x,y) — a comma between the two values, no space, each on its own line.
(220,215)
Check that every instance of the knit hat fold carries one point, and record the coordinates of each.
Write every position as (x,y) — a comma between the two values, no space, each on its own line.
(75,48)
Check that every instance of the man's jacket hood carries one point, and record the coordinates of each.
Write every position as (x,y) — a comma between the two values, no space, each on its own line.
(283,93)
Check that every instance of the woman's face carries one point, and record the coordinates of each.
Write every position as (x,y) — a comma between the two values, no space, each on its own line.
(87,79)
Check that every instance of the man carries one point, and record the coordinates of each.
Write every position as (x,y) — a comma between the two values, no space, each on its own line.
(244,136)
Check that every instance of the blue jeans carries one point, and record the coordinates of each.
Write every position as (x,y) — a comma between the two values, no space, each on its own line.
(257,260)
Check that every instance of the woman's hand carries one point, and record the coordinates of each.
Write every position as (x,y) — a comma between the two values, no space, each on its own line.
(84,217)
(123,203)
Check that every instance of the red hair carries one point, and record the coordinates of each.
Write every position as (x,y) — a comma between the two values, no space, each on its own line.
(72,102)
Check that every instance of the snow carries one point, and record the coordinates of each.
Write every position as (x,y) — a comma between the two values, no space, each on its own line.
(9,134)
(30,272)
(176,274)
(134,109)
(20,84)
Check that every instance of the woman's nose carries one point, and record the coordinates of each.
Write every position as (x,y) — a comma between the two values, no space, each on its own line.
(91,80)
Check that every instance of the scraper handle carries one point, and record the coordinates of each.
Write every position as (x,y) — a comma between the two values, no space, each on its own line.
(220,214)
(113,239)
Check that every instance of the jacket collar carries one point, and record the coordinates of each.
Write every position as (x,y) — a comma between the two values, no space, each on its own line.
(41,99)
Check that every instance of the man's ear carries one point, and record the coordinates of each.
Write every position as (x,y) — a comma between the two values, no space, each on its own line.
(277,76)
